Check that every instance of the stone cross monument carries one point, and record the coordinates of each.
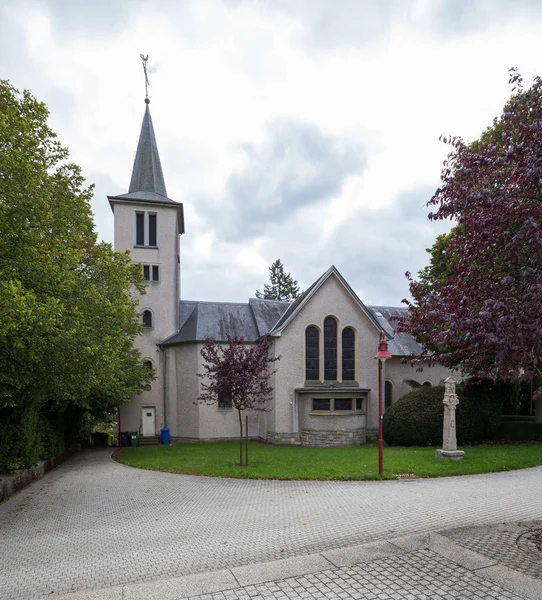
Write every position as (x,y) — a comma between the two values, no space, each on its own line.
(449,439)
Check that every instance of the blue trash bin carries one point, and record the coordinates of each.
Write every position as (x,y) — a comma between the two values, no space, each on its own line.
(165,435)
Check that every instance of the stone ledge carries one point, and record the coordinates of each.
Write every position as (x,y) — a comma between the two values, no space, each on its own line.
(12,483)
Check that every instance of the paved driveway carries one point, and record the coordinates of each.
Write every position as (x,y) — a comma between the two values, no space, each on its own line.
(93,523)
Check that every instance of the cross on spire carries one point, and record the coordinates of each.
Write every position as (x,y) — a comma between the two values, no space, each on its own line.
(144,63)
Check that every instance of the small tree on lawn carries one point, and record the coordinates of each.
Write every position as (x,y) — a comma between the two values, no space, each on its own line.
(240,372)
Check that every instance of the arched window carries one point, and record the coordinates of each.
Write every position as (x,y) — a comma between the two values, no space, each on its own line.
(147,318)
(148,364)
(388,394)
(427,384)
(349,353)
(330,349)
(312,353)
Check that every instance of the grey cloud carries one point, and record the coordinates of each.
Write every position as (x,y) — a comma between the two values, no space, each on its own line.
(297,166)
(348,23)
(455,18)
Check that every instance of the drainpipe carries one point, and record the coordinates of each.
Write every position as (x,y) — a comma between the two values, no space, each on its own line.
(164,382)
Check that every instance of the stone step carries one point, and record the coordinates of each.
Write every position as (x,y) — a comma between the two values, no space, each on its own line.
(151,440)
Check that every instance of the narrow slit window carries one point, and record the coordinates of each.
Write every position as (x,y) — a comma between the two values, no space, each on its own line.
(155,273)
(330,349)
(349,354)
(312,354)
(388,394)
(152,230)
(140,229)
(146,272)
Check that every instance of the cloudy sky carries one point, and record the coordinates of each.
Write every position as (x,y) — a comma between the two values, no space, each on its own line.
(305,130)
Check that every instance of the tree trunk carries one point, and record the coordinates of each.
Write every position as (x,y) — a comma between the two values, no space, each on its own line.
(240,438)
(246,440)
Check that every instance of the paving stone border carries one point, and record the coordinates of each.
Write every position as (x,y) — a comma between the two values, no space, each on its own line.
(418,567)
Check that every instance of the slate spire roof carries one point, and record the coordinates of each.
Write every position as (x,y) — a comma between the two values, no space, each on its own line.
(147,173)
(147,184)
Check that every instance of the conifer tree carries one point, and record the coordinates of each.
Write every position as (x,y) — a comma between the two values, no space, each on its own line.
(282,285)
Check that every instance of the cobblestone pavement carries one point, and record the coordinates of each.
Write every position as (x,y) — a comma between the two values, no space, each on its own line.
(507,543)
(419,575)
(92,523)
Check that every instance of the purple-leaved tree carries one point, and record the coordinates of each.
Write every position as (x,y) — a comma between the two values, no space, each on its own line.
(484,317)
(238,373)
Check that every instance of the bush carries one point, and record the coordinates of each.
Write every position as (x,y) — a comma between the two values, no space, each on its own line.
(520,431)
(20,445)
(417,418)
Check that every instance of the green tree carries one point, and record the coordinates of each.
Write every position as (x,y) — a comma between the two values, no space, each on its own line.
(67,317)
(282,286)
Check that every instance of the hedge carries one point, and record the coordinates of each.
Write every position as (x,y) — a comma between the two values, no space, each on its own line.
(417,418)
(527,431)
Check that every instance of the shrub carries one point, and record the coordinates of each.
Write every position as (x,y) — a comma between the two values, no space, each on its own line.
(417,418)
(520,431)
(20,445)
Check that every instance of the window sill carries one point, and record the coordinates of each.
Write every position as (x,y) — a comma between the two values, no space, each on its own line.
(146,247)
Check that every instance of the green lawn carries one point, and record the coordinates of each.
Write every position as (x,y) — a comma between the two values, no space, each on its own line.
(297,462)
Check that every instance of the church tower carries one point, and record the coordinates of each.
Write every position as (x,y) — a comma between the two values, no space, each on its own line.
(149,224)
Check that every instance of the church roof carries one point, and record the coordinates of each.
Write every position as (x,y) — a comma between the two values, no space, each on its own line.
(199,321)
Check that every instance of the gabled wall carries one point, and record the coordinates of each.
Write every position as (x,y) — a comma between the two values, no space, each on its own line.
(331,299)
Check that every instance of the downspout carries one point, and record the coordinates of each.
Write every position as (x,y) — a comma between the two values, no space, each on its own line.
(164,382)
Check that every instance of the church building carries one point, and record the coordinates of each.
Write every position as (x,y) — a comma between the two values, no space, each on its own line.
(325,391)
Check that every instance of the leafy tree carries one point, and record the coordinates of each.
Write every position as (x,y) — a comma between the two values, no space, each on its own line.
(483,315)
(67,318)
(282,285)
(240,372)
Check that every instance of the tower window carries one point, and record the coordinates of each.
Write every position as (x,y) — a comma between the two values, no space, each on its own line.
(146,229)
(140,229)
(151,272)
(147,318)
(152,230)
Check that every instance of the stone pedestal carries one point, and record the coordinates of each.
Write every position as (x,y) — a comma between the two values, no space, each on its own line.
(451,454)
(449,449)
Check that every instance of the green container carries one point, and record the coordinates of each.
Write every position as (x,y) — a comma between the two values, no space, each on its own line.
(134,438)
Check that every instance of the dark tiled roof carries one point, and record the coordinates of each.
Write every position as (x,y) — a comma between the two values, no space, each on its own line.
(400,343)
(202,320)
(148,197)
(267,313)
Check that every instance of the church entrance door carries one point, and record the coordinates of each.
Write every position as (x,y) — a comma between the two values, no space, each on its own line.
(148,421)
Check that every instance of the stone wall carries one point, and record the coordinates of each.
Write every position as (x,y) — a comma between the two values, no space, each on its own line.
(12,483)
(332,437)
(283,439)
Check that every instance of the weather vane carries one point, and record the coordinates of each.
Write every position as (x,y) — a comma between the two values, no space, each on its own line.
(144,63)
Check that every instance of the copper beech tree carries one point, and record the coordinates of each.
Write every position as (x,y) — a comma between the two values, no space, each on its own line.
(238,374)
(484,317)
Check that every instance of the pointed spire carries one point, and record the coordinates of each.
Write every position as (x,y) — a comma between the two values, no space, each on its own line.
(147,173)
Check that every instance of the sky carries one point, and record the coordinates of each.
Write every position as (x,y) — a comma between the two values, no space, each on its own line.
(305,130)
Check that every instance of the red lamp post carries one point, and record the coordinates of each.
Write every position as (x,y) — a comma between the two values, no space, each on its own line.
(382,355)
